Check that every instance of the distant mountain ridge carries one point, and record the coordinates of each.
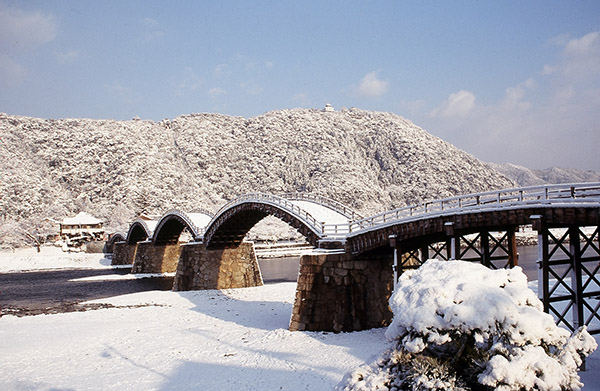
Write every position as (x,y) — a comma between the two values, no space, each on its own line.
(527,177)
(371,161)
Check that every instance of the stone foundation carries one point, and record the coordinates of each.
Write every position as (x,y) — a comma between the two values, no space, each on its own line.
(123,253)
(337,292)
(200,268)
(156,259)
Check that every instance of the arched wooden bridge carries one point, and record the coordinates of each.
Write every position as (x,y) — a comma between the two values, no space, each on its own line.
(346,283)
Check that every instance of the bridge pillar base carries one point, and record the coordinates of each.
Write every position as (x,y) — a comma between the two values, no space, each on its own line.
(123,253)
(150,258)
(337,292)
(226,268)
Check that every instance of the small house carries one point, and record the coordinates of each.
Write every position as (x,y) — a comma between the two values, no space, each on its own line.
(82,225)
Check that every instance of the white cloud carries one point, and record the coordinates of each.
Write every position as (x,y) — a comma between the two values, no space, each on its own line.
(25,29)
(514,96)
(559,40)
(150,22)
(458,104)
(222,70)
(21,31)
(549,119)
(67,57)
(581,57)
(124,94)
(548,70)
(251,87)
(189,82)
(153,30)
(583,46)
(11,73)
(216,91)
(372,86)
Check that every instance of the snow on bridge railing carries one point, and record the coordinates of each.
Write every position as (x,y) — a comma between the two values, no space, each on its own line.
(196,231)
(148,228)
(535,195)
(278,201)
(582,192)
(324,201)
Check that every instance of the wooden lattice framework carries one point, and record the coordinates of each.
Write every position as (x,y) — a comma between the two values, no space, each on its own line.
(569,262)
(494,249)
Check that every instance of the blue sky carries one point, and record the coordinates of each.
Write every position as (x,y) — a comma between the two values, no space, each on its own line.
(508,81)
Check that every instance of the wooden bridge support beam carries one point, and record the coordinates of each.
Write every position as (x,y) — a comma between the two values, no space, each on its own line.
(337,292)
(489,251)
(424,253)
(576,275)
(569,274)
(543,259)
(199,268)
(123,253)
(569,268)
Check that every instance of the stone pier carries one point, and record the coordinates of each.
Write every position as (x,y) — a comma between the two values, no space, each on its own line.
(123,253)
(150,258)
(201,268)
(337,292)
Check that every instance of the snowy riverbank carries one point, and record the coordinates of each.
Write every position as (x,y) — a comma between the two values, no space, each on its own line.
(219,340)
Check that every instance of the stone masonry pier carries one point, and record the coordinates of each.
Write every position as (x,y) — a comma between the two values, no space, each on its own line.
(338,292)
(201,268)
(150,258)
(123,253)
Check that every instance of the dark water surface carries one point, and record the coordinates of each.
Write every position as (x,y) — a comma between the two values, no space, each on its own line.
(279,269)
(286,268)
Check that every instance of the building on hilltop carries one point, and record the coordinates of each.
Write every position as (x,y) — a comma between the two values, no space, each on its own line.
(82,225)
(328,107)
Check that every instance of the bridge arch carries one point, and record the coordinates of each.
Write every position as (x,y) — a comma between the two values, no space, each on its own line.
(170,226)
(116,237)
(140,230)
(232,222)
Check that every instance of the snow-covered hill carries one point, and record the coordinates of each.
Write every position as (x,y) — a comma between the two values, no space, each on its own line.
(373,161)
(526,177)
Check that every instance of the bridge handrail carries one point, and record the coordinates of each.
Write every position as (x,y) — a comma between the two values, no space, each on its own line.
(285,204)
(202,210)
(533,195)
(324,201)
(583,192)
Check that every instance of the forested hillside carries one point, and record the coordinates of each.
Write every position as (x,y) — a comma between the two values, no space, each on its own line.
(372,161)
(527,177)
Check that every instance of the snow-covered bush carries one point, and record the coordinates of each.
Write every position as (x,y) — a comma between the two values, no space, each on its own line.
(461,326)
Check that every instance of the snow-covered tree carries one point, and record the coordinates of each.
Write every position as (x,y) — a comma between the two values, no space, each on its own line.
(461,326)
(368,160)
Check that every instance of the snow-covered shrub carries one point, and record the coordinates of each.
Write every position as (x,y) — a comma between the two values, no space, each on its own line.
(461,326)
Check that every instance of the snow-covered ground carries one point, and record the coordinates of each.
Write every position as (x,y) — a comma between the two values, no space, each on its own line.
(217,340)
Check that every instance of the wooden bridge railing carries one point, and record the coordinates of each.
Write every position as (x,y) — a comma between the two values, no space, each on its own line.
(196,231)
(280,202)
(327,202)
(584,193)
(535,195)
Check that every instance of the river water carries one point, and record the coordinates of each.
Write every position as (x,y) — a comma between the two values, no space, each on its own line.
(286,268)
